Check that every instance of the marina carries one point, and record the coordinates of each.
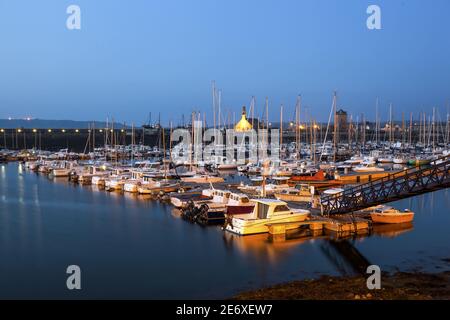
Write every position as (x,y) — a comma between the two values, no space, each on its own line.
(266,194)
(198,151)
(126,225)
(244,212)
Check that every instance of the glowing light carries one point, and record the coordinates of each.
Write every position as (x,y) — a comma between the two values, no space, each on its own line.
(243,124)
(2,130)
(34,130)
(63,130)
(122,130)
(76,130)
(291,124)
(101,130)
(112,130)
(49,130)
(19,130)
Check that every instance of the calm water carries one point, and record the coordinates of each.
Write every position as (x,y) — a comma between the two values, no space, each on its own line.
(130,247)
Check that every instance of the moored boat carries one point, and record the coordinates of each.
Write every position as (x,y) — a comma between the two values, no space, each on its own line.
(265,212)
(391,215)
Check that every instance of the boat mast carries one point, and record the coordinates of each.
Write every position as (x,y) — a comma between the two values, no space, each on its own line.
(390,125)
(334,127)
(267,122)
(164,154)
(377,124)
(191,149)
(433,129)
(314,144)
(281,130)
(447,136)
(410,129)
(219,105)
(214,103)
(403,130)
(326,131)
(132,142)
(349,132)
(93,137)
(364,131)
(297,125)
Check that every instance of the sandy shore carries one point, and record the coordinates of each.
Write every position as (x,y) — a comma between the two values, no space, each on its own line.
(398,286)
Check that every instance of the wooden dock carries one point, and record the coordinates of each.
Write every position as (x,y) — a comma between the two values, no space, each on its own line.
(319,224)
(365,176)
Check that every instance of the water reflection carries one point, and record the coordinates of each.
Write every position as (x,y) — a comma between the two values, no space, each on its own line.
(392,230)
(47,224)
(262,246)
(347,259)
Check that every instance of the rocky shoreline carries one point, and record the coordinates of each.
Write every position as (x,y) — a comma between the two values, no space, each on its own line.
(397,286)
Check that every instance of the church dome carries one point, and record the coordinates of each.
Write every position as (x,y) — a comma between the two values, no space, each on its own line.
(243,124)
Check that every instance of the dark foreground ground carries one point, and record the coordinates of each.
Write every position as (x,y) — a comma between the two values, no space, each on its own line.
(398,286)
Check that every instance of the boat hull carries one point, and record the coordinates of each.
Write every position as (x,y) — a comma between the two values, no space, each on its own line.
(248,227)
(392,218)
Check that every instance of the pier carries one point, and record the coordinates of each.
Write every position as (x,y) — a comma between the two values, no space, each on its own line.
(339,226)
(408,183)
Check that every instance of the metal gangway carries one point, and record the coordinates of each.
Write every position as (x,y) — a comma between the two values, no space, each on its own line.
(403,184)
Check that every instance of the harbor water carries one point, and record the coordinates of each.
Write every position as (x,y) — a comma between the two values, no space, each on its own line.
(129,246)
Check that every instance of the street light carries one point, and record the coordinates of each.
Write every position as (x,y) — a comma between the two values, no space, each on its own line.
(49,130)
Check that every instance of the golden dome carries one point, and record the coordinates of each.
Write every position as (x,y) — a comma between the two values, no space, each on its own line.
(243,124)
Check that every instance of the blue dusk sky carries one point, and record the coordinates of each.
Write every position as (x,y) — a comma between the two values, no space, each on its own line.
(135,57)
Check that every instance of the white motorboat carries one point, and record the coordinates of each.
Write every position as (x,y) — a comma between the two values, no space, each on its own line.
(354,160)
(202,179)
(61,172)
(131,186)
(265,212)
(400,160)
(227,166)
(386,159)
(368,167)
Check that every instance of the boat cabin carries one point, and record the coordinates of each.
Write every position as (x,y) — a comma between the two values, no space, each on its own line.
(268,208)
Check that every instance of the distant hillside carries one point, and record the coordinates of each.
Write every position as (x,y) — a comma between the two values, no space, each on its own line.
(52,124)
